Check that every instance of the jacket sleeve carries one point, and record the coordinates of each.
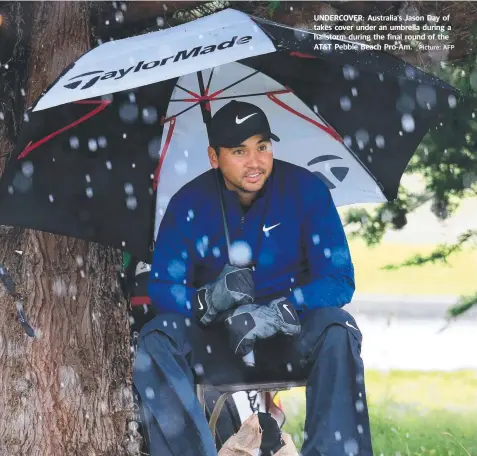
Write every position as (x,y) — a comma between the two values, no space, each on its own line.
(331,271)
(170,281)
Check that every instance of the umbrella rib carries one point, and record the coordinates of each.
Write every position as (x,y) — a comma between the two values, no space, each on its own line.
(188,91)
(209,97)
(210,80)
(233,84)
(179,113)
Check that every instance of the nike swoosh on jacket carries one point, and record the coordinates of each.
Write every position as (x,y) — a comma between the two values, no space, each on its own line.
(306,258)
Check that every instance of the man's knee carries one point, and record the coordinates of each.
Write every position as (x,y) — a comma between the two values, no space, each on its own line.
(336,337)
(148,346)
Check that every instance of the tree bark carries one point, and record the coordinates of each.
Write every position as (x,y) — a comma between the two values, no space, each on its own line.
(68,391)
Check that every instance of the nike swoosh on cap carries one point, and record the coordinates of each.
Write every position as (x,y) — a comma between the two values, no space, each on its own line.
(243,119)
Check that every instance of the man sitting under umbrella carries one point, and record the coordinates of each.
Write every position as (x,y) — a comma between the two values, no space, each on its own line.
(277,294)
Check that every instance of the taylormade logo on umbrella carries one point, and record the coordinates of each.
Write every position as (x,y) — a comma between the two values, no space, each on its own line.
(84,81)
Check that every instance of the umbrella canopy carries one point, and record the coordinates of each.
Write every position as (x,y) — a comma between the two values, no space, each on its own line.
(125,126)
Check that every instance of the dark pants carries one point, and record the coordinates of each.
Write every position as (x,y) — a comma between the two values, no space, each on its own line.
(174,353)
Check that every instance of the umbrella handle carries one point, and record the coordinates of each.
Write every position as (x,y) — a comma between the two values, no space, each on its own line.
(224,216)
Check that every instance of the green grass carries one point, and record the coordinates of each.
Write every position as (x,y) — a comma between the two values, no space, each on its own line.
(411,413)
(457,278)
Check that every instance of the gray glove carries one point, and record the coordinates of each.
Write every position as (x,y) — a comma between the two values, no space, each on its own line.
(252,321)
(233,287)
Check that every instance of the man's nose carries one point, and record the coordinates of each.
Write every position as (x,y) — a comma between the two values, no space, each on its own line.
(253,159)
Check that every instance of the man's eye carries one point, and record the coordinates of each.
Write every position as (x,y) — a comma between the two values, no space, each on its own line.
(263,148)
(238,152)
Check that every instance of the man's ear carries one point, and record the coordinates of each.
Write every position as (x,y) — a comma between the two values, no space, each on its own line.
(214,162)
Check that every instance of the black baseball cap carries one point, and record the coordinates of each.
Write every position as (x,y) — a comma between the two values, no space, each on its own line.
(235,122)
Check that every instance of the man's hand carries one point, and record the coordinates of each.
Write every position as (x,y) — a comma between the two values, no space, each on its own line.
(252,321)
(233,287)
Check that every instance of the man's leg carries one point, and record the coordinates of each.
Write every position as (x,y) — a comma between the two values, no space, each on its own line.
(337,422)
(172,352)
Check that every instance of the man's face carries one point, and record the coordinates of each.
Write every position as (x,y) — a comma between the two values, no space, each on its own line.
(246,167)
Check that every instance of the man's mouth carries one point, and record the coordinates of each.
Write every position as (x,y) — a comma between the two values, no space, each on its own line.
(253,177)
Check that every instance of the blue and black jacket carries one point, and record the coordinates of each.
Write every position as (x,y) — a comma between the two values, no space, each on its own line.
(291,233)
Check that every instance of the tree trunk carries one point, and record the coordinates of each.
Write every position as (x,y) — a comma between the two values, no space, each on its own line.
(67,391)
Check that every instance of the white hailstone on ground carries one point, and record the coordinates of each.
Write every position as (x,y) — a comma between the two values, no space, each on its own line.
(351,447)
(362,138)
(125,135)
(143,361)
(92,145)
(199,369)
(87,178)
(337,436)
(109,165)
(426,96)
(89,192)
(131,202)
(327,253)
(154,148)
(128,188)
(128,112)
(380,142)
(102,142)
(149,115)
(160,21)
(345,103)
(59,287)
(240,253)
(298,295)
(289,367)
(74,142)
(79,260)
(316,239)
(359,406)
(349,72)
(407,122)
(181,167)
(452,101)
(27,168)
(216,252)
(51,198)
(209,349)
(119,17)
(348,141)
(354,91)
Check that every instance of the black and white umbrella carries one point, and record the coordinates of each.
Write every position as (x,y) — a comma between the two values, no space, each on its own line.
(124,127)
